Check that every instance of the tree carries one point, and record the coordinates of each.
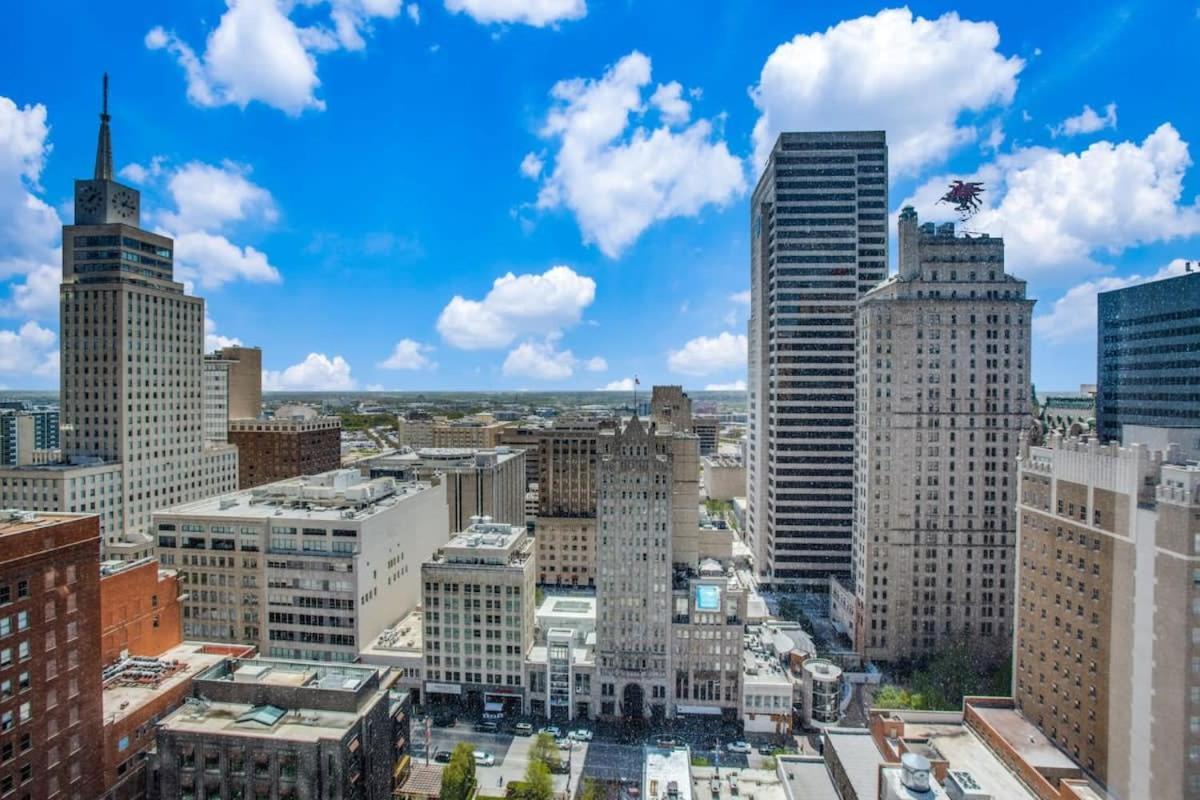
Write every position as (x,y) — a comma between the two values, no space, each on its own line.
(592,790)
(537,784)
(458,779)
(543,750)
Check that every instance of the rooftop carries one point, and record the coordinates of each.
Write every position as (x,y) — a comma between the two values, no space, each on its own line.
(859,757)
(580,607)
(761,784)
(724,460)
(132,683)
(340,494)
(402,638)
(807,778)
(13,521)
(486,542)
(667,774)
(292,674)
(1023,736)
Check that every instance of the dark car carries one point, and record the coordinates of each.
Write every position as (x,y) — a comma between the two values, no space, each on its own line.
(442,756)
(444,719)
(486,727)
(560,767)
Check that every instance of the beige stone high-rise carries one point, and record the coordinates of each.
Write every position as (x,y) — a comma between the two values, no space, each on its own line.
(131,381)
(245,380)
(1107,644)
(942,392)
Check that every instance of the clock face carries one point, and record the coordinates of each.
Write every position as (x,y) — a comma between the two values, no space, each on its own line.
(90,200)
(123,203)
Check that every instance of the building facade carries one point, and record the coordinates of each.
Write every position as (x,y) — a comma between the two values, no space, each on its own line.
(479,603)
(566,522)
(708,428)
(26,432)
(415,430)
(479,483)
(271,450)
(313,568)
(50,707)
(818,228)
(131,376)
(943,397)
(140,614)
(1108,611)
(468,433)
(245,380)
(292,730)
(1147,369)
(216,399)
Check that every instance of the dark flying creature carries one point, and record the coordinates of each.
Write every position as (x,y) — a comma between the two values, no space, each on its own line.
(964,196)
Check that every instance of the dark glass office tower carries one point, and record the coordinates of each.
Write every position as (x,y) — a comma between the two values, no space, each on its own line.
(1148,356)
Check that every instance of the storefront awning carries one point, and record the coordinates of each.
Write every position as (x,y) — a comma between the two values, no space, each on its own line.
(708,711)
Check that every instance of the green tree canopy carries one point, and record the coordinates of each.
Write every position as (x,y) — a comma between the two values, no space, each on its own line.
(537,784)
(458,779)
(543,750)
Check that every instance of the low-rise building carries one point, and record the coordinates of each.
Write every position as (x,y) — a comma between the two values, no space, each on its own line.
(479,482)
(479,602)
(140,614)
(561,666)
(311,568)
(708,429)
(415,430)
(401,647)
(276,449)
(292,730)
(481,434)
(724,477)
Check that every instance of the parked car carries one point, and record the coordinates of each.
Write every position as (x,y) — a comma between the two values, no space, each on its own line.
(565,743)
(666,742)
(581,735)
(486,727)
(484,759)
(444,719)
(738,747)
(523,729)
(442,756)
(553,730)
(560,767)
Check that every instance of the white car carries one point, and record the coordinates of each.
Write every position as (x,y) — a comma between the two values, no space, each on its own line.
(581,735)
(484,759)
(565,743)
(738,747)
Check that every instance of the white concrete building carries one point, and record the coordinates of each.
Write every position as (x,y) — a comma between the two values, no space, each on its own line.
(479,602)
(561,666)
(311,568)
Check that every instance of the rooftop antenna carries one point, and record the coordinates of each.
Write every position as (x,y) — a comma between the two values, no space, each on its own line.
(104,168)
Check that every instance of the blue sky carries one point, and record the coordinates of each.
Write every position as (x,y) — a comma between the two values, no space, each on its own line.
(352,182)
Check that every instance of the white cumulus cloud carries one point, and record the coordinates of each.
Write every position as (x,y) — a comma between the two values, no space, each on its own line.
(214,340)
(1062,211)
(622,385)
(741,298)
(1087,121)
(531,166)
(317,372)
(619,177)
(536,13)
(31,350)
(734,386)
(517,305)
(539,360)
(210,261)
(409,354)
(923,81)
(30,229)
(258,53)
(705,355)
(596,364)
(208,196)
(1072,317)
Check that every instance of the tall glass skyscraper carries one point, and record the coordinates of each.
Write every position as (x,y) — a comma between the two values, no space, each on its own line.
(818,222)
(1148,356)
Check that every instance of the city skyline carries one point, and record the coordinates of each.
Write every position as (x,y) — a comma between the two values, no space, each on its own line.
(608,283)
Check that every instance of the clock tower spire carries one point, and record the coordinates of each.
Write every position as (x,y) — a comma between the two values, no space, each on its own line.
(104,168)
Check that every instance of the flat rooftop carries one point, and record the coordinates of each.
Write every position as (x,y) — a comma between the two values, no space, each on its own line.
(124,695)
(334,496)
(808,778)
(296,674)
(242,719)
(403,638)
(860,758)
(13,521)
(667,774)
(732,783)
(1023,736)
(579,607)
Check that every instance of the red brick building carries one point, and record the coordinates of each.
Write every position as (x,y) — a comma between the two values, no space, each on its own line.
(272,450)
(139,609)
(50,710)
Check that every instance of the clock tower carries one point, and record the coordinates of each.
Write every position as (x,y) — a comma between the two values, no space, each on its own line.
(101,200)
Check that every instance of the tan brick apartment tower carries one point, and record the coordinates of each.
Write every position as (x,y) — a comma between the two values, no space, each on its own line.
(1108,611)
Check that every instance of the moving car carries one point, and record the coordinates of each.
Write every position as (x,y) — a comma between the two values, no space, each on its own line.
(665,742)
(553,730)
(442,756)
(581,735)
(523,729)
(738,747)
(486,727)
(484,759)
